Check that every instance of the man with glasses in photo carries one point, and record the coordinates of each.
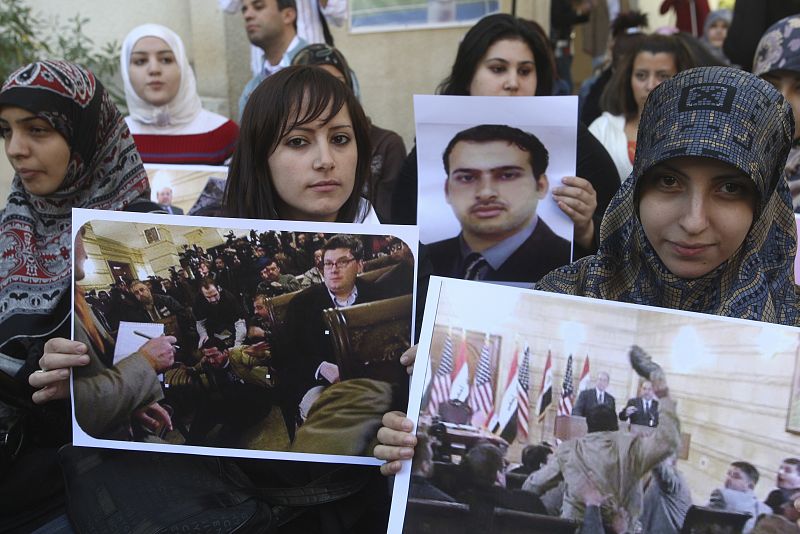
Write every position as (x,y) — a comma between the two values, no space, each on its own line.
(304,351)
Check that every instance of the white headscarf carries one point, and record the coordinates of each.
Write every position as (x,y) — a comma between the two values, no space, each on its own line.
(186,106)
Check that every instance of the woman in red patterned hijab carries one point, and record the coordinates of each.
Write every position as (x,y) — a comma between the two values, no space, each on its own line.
(70,148)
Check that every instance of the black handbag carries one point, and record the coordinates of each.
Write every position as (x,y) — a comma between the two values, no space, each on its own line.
(149,493)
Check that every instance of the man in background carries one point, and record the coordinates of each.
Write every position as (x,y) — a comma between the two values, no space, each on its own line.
(738,494)
(596,396)
(271,25)
(641,410)
(164,197)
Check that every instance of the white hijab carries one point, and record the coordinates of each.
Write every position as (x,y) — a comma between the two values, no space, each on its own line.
(185,107)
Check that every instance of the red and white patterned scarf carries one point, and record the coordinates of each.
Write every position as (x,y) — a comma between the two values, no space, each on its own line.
(104,172)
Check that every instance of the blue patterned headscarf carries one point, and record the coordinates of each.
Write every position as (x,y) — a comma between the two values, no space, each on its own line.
(731,116)
(779,50)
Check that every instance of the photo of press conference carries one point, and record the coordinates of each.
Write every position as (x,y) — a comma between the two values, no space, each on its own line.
(535,409)
(276,340)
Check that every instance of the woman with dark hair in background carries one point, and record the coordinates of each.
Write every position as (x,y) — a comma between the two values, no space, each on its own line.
(656,58)
(502,55)
(626,31)
(388,149)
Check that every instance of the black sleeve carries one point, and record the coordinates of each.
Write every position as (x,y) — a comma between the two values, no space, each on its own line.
(392,152)
(591,105)
(563,16)
(622,415)
(747,26)
(579,404)
(237,307)
(594,164)
(173,305)
(404,201)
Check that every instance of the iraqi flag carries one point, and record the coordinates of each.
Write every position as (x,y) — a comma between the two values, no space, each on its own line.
(459,390)
(546,391)
(586,379)
(505,419)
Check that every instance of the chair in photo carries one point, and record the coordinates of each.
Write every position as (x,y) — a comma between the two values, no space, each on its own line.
(698,518)
(373,274)
(277,308)
(514,522)
(368,340)
(434,517)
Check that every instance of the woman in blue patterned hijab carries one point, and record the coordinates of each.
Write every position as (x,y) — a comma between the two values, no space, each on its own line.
(704,223)
(777,60)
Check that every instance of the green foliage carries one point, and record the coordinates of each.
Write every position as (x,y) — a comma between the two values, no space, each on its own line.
(18,44)
(26,37)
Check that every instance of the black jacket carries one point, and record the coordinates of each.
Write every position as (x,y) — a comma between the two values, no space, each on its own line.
(542,252)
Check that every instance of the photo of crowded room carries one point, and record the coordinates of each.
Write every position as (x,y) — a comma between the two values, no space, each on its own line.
(534,405)
(267,340)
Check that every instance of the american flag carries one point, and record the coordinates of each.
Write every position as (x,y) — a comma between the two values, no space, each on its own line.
(565,404)
(523,384)
(442,381)
(481,398)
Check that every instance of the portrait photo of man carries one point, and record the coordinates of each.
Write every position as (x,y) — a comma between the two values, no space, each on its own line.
(495,179)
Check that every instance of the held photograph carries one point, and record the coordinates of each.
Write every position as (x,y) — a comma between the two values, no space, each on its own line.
(532,405)
(486,167)
(187,189)
(263,339)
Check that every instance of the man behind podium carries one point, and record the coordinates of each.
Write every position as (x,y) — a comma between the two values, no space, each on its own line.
(596,396)
(642,410)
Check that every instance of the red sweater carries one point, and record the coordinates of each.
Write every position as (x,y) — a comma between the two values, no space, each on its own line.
(683,10)
(210,148)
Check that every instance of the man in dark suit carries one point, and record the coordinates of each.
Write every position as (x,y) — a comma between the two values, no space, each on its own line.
(219,313)
(304,358)
(164,197)
(641,410)
(495,179)
(589,398)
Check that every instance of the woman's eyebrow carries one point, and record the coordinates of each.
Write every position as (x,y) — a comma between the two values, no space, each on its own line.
(143,53)
(665,167)
(24,120)
(303,128)
(726,175)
